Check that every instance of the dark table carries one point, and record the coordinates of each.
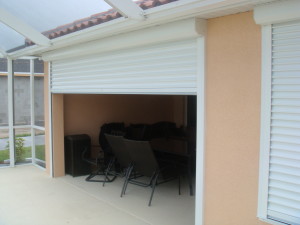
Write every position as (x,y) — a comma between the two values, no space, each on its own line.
(179,150)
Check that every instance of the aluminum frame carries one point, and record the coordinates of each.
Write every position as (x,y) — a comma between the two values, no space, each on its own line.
(11,127)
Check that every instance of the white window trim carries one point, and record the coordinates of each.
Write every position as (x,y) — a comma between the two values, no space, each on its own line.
(265,132)
(200,138)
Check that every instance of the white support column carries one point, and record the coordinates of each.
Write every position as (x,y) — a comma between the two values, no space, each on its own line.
(11,111)
(200,138)
(50,121)
(32,113)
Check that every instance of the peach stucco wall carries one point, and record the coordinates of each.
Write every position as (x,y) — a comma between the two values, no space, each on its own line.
(86,113)
(233,120)
(58,135)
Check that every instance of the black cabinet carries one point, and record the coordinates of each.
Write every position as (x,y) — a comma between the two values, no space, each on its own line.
(75,145)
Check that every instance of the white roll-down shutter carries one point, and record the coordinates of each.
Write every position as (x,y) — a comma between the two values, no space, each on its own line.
(284,174)
(159,68)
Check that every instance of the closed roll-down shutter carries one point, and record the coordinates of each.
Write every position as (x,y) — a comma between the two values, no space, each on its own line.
(284,176)
(159,68)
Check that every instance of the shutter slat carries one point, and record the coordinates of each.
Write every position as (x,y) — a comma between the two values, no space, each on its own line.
(289,204)
(286,109)
(285,124)
(286,80)
(285,138)
(286,163)
(285,117)
(282,185)
(285,194)
(286,146)
(286,154)
(286,131)
(286,102)
(284,173)
(286,94)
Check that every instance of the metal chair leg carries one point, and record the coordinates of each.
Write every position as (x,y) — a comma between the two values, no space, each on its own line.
(127,181)
(128,173)
(179,184)
(190,177)
(112,161)
(153,188)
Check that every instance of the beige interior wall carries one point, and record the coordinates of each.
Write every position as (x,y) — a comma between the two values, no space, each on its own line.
(233,120)
(179,110)
(86,113)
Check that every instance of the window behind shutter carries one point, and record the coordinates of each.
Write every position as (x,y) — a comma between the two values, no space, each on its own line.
(284,174)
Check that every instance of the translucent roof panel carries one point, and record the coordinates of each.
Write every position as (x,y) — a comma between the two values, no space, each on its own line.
(10,39)
(44,15)
(55,18)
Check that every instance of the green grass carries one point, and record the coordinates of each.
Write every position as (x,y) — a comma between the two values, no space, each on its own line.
(22,135)
(39,153)
(4,155)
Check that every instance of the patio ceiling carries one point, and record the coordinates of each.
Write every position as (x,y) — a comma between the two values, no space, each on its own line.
(40,26)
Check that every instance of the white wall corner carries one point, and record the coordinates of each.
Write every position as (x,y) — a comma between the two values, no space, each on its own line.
(277,12)
(201,26)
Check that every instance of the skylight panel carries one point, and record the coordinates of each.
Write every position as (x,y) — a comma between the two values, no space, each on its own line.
(53,18)
(10,39)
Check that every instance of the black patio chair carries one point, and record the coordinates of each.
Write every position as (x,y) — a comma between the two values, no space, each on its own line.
(121,156)
(105,156)
(145,164)
(138,132)
(162,129)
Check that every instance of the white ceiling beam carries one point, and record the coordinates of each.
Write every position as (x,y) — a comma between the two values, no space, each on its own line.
(128,9)
(23,28)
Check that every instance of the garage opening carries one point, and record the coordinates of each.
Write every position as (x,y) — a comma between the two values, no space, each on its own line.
(86,113)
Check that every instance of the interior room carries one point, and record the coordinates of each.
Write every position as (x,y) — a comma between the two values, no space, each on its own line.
(86,113)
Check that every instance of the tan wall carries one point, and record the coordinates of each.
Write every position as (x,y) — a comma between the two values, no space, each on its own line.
(86,113)
(233,120)
(58,135)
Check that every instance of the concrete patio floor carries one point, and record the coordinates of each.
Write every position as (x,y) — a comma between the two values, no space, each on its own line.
(29,196)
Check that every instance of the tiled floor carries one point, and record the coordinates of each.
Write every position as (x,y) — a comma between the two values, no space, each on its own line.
(29,196)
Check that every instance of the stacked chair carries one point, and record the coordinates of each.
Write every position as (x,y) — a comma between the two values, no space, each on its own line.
(121,156)
(145,164)
(105,155)
(127,153)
